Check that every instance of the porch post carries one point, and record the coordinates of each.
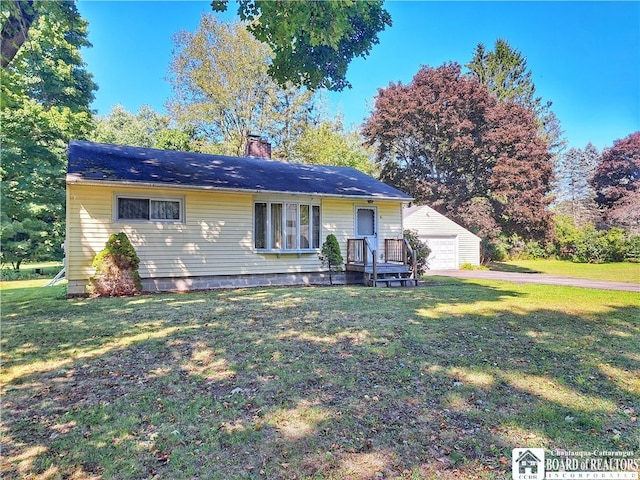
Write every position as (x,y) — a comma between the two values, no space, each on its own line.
(375,267)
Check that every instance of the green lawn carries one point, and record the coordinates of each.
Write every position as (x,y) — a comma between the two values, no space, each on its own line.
(616,272)
(440,381)
(28,271)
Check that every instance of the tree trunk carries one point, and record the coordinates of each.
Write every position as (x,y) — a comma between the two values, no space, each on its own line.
(15,30)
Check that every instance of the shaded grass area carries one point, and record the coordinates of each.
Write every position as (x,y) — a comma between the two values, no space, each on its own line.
(614,272)
(336,383)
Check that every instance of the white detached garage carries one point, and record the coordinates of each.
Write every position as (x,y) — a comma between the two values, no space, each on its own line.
(451,245)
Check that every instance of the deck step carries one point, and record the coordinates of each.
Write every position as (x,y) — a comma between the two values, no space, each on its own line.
(394,282)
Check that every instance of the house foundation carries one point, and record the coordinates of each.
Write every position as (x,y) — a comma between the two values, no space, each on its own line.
(212,282)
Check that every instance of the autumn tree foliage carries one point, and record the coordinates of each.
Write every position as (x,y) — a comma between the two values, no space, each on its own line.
(505,73)
(617,183)
(447,141)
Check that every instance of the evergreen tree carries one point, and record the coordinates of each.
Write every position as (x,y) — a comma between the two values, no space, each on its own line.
(505,73)
(576,196)
(331,256)
(116,269)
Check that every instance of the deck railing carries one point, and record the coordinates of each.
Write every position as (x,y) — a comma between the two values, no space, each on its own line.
(357,250)
(362,257)
(398,250)
(395,250)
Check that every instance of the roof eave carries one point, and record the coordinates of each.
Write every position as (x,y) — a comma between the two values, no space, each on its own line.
(76,179)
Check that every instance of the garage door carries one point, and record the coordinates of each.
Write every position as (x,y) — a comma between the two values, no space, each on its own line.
(444,254)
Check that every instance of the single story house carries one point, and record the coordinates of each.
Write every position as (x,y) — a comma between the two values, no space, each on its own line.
(206,221)
(451,245)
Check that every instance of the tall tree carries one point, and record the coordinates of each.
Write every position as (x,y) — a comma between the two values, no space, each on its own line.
(574,171)
(46,92)
(17,17)
(617,183)
(446,140)
(121,127)
(326,143)
(222,90)
(313,42)
(146,128)
(505,73)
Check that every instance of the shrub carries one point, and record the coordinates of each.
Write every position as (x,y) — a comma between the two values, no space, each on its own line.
(566,236)
(617,244)
(471,266)
(533,250)
(493,249)
(590,246)
(633,249)
(331,255)
(421,248)
(116,269)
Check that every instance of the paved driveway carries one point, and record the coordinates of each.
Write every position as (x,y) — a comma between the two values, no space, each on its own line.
(536,278)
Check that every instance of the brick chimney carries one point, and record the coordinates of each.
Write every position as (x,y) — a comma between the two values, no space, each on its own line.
(257,147)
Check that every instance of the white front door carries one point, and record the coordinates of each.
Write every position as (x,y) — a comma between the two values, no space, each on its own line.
(367,227)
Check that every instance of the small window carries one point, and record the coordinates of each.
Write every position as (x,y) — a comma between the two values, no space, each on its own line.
(305,222)
(316,227)
(260,225)
(164,210)
(152,209)
(276,225)
(133,209)
(292,226)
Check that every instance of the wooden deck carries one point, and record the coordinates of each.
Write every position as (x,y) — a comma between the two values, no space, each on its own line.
(397,271)
(385,275)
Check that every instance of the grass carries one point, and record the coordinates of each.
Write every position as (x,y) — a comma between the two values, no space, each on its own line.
(315,383)
(616,272)
(30,271)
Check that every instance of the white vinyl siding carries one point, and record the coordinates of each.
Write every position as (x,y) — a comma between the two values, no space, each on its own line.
(339,218)
(445,234)
(216,236)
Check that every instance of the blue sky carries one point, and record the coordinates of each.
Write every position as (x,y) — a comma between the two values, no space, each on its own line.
(584,56)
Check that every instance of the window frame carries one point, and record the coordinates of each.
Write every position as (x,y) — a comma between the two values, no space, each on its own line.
(283,225)
(149,198)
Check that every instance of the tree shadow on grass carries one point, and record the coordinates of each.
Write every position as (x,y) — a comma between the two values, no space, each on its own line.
(277,383)
(507,267)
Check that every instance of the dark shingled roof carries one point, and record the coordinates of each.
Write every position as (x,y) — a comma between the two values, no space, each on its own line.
(96,162)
